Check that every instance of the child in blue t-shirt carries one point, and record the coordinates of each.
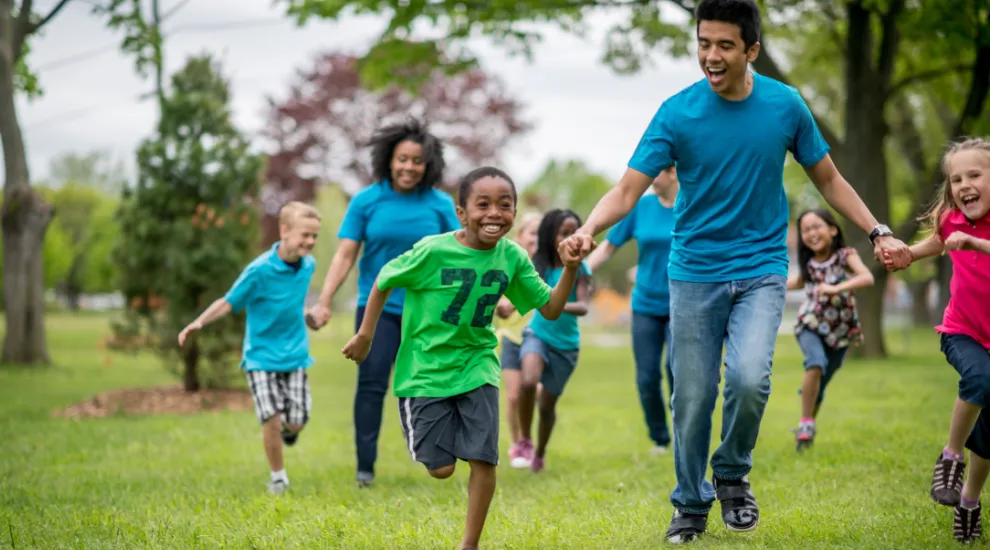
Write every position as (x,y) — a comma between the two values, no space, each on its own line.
(550,349)
(273,289)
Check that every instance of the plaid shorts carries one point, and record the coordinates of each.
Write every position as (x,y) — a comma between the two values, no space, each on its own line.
(281,392)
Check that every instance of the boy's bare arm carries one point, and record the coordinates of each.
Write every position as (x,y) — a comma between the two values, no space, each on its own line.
(217,309)
(359,345)
(560,293)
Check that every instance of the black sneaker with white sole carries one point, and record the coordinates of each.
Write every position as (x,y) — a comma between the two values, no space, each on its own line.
(967,525)
(740,513)
(947,480)
(685,528)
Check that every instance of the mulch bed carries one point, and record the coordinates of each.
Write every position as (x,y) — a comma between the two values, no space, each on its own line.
(157,401)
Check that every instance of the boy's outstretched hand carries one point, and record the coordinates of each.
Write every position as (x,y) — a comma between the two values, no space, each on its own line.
(357,348)
(190,328)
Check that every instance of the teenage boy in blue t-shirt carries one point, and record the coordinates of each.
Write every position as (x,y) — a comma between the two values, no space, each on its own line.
(273,289)
(728,135)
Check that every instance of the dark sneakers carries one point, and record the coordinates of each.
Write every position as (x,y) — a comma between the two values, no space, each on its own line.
(289,437)
(966,526)
(685,528)
(740,512)
(947,481)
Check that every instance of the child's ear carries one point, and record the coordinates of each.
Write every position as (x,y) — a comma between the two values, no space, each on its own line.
(461,214)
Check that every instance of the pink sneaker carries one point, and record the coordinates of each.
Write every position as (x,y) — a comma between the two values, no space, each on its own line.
(537,465)
(521,454)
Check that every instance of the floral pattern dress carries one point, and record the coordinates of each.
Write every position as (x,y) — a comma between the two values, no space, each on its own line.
(834,317)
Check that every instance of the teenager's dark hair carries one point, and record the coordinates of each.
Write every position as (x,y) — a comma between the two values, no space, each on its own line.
(383,144)
(805,254)
(546,255)
(744,13)
(467,182)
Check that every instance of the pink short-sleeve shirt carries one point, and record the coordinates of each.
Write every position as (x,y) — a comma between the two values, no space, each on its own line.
(968,312)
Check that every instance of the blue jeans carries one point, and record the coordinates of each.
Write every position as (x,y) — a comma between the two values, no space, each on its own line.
(372,385)
(817,354)
(649,334)
(744,316)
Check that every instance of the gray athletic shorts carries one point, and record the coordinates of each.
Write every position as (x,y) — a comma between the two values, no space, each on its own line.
(440,430)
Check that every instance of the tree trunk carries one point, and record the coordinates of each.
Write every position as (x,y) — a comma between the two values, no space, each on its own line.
(190,364)
(864,166)
(921,314)
(25,220)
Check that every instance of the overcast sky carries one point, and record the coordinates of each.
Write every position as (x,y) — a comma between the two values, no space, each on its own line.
(580,108)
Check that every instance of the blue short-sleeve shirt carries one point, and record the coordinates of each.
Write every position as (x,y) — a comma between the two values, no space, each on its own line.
(562,333)
(389,223)
(651,224)
(274,294)
(730,218)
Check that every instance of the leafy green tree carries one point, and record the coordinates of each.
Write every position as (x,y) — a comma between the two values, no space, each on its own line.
(189,227)
(26,216)
(84,219)
(885,49)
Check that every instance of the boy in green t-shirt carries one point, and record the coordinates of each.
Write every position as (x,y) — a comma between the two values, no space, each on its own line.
(447,372)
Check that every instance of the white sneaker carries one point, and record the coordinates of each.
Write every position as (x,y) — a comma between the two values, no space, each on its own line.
(520,462)
(658,450)
(277,487)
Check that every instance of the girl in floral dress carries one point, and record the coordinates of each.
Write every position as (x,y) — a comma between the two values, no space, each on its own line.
(827,322)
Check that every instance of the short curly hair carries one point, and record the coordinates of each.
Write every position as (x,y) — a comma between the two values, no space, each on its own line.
(383,144)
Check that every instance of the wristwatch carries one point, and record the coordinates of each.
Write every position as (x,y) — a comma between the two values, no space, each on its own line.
(880,230)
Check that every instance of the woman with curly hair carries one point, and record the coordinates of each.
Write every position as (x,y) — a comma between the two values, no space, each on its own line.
(387,218)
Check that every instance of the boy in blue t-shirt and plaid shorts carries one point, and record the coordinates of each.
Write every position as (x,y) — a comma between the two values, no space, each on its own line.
(273,290)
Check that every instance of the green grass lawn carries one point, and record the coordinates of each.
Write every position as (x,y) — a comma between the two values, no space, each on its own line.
(199,481)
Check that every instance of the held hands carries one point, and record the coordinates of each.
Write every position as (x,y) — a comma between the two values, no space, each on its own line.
(190,328)
(357,348)
(575,248)
(318,317)
(894,254)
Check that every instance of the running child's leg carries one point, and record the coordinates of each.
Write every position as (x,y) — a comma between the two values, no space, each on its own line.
(532,370)
(481,489)
(815,360)
(836,356)
(475,430)
(556,374)
(268,403)
(972,362)
(298,403)
(967,521)
(511,381)
(534,359)
(548,419)
(810,387)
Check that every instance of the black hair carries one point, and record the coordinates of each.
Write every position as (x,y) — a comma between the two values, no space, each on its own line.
(744,13)
(385,140)
(805,254)
(467,182)
(546,239)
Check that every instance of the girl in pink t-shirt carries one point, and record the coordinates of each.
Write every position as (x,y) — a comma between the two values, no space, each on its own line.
(961,220)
